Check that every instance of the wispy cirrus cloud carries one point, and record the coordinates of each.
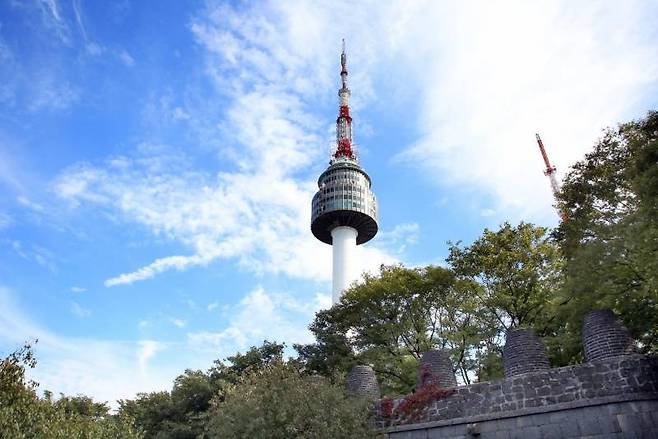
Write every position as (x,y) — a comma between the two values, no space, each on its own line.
(256,209)
(79,311)
(87,366)
(50,93)
(497,73)
(259,316)
(53,19)
(480,89)
(258,219)
(5,220)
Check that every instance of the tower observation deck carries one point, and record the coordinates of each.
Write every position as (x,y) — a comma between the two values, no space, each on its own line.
(344,210)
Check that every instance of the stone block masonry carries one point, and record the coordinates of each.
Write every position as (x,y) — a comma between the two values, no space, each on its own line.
(361,382)
(617,397)
(436,366)
(604,337)
(613,395)
(523,352)
(619,420)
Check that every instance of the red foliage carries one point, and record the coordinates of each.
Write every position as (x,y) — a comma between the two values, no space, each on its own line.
(412,407)
(386,407)
(426,375)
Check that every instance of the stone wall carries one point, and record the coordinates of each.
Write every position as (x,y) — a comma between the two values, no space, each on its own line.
(614,395)
(620,380)
(606,420)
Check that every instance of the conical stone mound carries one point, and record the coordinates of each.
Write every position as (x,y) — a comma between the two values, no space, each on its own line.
(436,366)
(523,352)
(604,337)
(361,382)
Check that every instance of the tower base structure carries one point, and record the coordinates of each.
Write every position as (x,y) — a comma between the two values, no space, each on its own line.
(344,255)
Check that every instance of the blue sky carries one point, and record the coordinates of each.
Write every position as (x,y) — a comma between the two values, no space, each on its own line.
(157,163)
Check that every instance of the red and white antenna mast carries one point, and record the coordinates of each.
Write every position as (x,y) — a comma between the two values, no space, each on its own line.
(549,172)
(344,145)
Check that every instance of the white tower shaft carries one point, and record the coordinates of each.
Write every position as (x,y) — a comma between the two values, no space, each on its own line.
(344,258)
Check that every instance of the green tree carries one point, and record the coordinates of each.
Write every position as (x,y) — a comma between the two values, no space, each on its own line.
(82,405)
(183,412)
(518,270)
(23,415)
(391,319)
(230,369)
(610,234)
(153,412)
(276,401)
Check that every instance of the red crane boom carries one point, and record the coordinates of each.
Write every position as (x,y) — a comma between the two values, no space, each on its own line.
(549,172)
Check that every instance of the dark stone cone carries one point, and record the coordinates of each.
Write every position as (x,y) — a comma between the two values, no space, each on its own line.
(604,337)
(436,366)
(523,352)
(362,383)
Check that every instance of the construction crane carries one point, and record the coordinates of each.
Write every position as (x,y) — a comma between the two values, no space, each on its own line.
(549,172)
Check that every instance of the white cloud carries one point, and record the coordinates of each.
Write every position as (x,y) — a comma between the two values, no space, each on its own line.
(177,322)
(158,266)
(477,80)
(51,94)
(44,257)
(5,220)
(400,237)
(498,72)
(257,211)
(94,49)
(79,311)
(147,349)
(180,114)
(260,316)
(52,19)
(23,200)
(487,212)
(84,365)
(76,289)
(126,58)
(212,306)
(36,253)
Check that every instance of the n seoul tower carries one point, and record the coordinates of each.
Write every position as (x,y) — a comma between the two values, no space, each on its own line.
(344,210)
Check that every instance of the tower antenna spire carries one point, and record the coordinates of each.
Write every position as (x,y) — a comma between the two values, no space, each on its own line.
(344,143)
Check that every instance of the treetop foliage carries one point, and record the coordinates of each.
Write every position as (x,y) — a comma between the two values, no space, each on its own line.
(610,236)
(24,415)
(505,279)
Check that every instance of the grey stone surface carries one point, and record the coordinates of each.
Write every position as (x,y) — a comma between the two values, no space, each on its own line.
(613,395)
(361,382)
(604,337)
(436,366)
(615,379)
(633,420)
(523,353)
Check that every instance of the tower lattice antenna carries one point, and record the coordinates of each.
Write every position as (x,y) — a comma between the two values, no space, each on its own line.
(550,173)
(344,144)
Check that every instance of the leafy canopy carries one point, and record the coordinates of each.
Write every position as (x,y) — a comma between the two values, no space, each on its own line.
(610,235)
